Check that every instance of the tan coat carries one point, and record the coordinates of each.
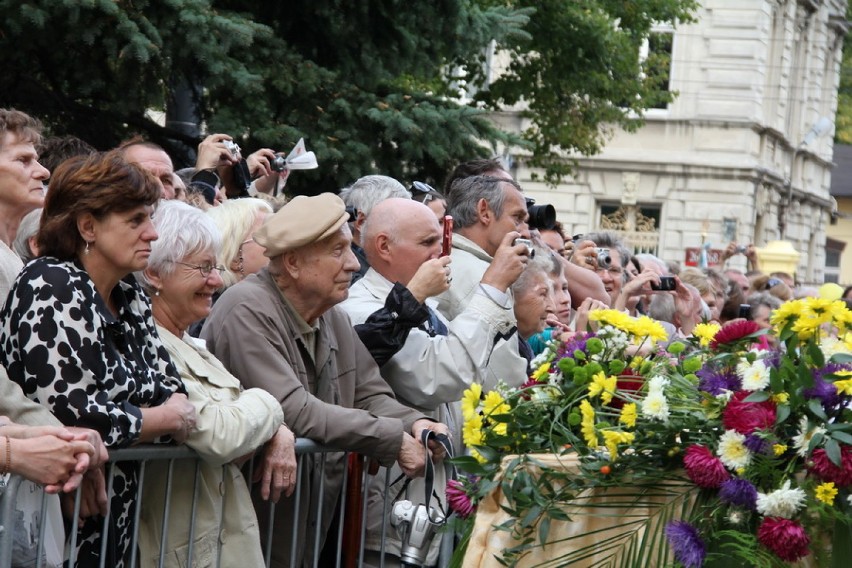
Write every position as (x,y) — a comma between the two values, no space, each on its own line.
(231,423)
(19,408)
(339,400)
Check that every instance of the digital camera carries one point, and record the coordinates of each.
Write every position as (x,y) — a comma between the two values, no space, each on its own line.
(416,526)
(232,147)
(604,258)
(278,164)
(527,243)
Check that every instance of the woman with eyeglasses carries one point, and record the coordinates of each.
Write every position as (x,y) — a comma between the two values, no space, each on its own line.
(78,336)
(237,221)
(182,276)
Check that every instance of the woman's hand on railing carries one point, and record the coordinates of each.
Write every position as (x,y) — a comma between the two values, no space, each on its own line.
(278,472)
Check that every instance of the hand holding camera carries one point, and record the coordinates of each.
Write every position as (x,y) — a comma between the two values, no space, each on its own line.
(217,150)
(508,262)
(585,253)
(432,278)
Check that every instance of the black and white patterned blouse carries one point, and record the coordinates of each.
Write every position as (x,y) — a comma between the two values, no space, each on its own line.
(62,345)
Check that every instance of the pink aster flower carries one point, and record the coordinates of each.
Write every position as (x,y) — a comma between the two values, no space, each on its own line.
(785,538)
(459,500)
(746,417)
(703,468)
(733,331)
(824,469)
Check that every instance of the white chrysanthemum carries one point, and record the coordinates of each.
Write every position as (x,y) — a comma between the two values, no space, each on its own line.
(732,450)
(656,406)
(849,499)
(615,339)
(784,502)
(735,517)
(657,384)
(755,376)
(832,346)
(802,440)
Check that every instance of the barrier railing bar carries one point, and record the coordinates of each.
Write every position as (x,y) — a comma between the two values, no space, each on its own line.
(9,494)
(41,530)
(137,512)
(105,527)
(191,547)
(168,503)
(318,520)
(343,504)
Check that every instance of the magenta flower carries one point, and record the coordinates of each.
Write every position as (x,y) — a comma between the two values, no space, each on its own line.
(785,538)
(827,471)
(458,499)
(703,468)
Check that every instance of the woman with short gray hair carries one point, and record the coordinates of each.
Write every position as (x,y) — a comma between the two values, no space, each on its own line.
(181,277)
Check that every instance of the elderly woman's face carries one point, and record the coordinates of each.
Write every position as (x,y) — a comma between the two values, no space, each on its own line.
(533,304)
(250,258)
(187,293)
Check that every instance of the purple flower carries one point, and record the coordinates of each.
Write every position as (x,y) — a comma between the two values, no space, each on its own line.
(714,382)
(772,358)
(739,492)
(757,445)
(572,345)
(686,544)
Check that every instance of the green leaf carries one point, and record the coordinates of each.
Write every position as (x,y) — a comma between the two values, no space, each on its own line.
(832,450)
(816,354)
(816,407)
(842,437)
(782,412)
(841,358)
(757,396)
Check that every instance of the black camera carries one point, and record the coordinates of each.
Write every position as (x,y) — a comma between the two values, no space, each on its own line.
(278,164)
(666,283)
(541,216)
(744,311)
(353,213)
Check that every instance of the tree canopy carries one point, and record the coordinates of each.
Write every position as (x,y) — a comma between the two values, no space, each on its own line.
(373,86)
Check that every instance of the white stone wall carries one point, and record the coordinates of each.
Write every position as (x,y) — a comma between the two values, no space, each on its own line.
(752,78)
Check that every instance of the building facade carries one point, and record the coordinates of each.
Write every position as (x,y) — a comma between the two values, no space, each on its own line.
(743,153)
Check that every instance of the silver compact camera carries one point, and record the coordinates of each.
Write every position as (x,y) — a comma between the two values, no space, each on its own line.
(232,147)
(741,249)
(604,258)
(416,526)
(527,243)
(278,164)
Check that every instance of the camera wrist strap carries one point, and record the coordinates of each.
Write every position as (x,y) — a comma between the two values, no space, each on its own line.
(429,475)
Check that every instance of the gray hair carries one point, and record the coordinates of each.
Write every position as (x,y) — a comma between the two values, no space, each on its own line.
(662,308)
(646,257)
(235,218)
(465,194)
(28,228)
(541,263)
(183,231)
(367,191)
(763,299)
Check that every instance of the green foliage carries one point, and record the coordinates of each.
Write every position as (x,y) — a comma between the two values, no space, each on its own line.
(373,86)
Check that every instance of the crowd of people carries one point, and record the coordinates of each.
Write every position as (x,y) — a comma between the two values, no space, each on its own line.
(200,307)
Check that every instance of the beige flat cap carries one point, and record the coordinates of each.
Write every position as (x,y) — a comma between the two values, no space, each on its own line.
(303,220)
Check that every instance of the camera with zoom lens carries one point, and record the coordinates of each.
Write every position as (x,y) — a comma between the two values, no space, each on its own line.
(232,147)
(541,216)
(278,164)
(604,258)
(527,243)
(416,526)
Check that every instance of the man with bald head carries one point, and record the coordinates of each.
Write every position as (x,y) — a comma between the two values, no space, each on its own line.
(427,360)
(281,330)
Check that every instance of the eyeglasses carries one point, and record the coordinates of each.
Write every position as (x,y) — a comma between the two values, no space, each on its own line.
(204,269)
(423,192)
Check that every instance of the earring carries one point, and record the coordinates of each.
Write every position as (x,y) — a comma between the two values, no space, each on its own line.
(87,248)
(156,291)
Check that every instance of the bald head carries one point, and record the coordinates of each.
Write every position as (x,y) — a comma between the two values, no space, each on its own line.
(399,236)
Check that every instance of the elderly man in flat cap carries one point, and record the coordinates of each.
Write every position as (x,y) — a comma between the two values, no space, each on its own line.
(281,330)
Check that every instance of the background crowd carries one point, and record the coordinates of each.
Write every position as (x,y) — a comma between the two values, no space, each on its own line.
(200,307)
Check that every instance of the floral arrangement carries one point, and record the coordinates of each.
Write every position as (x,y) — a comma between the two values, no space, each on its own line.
(755,425)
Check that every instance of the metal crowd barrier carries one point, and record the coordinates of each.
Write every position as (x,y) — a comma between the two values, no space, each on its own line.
(145,454)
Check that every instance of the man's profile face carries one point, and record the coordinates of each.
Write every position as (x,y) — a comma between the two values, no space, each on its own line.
(326,269)
(158,163)
(513,218)
(21,176)
(415,243)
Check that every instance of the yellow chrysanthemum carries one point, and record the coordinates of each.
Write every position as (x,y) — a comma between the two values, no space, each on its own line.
(494,404)
(843,386)
(780,397)
(614,318)
(705,332)
(628,415)
(477,456)
(806,326)
(826,492)
(614,437)
(587,424)
(779,449)
(645,327)
(603,386)
(472,431)
(470,401)
(541,372)
(786,312)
